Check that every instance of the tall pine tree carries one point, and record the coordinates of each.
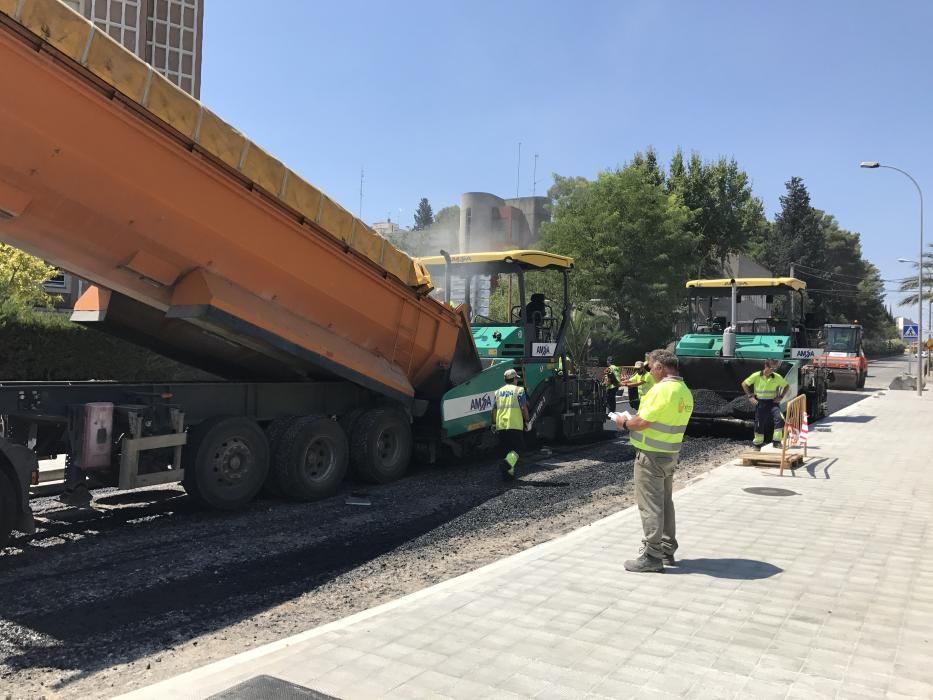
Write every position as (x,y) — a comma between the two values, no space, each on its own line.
(424,215)
(798,236)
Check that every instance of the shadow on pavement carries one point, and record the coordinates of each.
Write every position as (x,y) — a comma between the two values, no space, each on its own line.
(824,462)
(738,569)
(846,419)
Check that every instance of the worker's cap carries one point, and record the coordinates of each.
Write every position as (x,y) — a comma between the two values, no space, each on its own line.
(639,364)
(510,374)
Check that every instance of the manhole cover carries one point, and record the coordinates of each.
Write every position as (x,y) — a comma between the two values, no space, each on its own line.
(770,491)
(269,688)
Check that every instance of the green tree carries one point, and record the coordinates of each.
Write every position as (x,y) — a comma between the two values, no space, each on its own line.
(631,243)
(726,216)
(797,234)
(448,217)
(648,165)
(21,279)
(852,287)
(424,215)
(909,284)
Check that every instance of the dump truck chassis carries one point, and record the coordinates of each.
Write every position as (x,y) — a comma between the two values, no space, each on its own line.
(154,425)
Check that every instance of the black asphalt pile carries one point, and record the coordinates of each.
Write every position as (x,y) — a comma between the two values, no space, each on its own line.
(147,586)
(711,403)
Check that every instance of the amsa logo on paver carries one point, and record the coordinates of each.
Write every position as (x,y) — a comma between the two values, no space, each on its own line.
(805,353)
(480,403)
(463,406)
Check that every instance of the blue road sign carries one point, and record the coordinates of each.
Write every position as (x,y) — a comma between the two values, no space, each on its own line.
(911,331)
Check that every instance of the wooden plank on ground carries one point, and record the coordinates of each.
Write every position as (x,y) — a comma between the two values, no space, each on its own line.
(754,458)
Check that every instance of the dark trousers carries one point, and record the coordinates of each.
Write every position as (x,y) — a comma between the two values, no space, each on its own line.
(633,397)
(611,398)
(769,425)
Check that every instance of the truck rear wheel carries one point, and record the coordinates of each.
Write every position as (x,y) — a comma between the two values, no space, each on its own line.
(8,507)
(226,462)
(860,383)
(275,431)
(311,460)
(381,444)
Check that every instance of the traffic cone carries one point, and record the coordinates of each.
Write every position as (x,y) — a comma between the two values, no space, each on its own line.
(804,430)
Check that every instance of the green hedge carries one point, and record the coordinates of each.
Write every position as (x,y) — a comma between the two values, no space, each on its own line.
(48,347)
(883,348)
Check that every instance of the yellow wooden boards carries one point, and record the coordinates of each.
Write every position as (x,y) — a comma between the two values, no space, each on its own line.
(54,23)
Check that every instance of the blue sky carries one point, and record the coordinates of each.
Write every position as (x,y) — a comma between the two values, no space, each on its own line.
(432,98)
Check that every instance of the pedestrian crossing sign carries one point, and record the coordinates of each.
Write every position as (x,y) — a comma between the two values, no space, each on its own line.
(910,332)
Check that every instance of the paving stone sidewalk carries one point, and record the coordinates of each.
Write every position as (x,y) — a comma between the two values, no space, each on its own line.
(825,591)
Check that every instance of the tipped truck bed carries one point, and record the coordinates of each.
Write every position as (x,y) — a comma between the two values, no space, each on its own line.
(112,173)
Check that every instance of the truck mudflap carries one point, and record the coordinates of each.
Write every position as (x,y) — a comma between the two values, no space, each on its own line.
(24,463)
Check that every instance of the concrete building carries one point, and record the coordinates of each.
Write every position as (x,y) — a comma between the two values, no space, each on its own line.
(488,222)
(166,34)
(387,228)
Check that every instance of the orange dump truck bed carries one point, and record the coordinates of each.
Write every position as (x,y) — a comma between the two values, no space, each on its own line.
(205,246)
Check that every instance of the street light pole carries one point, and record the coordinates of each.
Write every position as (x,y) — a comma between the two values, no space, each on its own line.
(875,164)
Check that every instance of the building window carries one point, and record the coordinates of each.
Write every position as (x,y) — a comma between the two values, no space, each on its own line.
(120,19)
(76,5)
(57,282)
(173,40)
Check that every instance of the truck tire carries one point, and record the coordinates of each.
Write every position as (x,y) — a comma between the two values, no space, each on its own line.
(275,431)
(226,462)
(8,507)
(349,420)
(381,444)
(312,459)
(860,383)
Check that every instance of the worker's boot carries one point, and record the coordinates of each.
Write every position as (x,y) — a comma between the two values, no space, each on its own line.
(758,441)
(76,497)
(508,466)
(645,564)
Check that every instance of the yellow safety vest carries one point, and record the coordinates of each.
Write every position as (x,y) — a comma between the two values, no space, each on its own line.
(645,386)
(667,407)
(508,403)
(616,374)
(766,388)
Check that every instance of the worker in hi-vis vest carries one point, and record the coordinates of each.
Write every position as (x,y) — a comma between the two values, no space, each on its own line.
(639,384)
(766,389)
(509,417)
(612,380)
(656,433)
